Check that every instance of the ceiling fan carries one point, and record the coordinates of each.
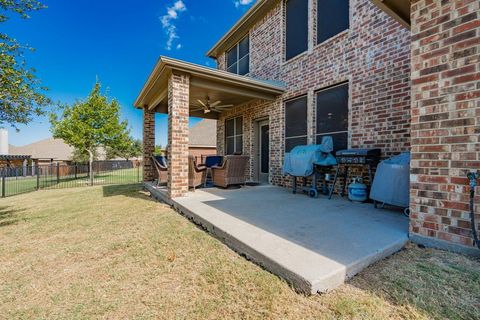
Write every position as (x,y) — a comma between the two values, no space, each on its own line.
(208,106)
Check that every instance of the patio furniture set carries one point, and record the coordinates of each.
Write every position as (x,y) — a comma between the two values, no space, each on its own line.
(221,171)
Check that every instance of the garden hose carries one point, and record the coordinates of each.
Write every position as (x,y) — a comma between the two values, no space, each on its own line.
(473,176)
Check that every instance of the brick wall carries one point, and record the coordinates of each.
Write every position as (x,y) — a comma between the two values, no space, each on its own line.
(445,117)
(148,144)
(373,55)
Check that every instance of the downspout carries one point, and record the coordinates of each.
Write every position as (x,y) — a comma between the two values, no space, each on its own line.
(473,177)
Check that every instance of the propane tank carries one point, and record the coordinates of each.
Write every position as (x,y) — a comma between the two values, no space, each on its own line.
(357,190)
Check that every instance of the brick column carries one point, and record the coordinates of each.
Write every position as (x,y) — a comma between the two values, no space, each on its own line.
(148,144)
(178,106)
(445,120)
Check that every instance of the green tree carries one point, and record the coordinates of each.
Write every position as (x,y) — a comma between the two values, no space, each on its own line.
(21,94)
(90,124)
(82,156)
(158,150)
(129,148)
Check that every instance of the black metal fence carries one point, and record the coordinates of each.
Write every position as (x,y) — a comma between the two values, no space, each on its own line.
(56,176)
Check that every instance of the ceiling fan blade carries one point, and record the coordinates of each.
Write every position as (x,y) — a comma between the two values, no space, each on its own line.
(225,106)
(216,103)
(202,103)
(196,108)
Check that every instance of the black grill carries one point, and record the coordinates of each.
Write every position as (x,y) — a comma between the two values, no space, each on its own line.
(358,156)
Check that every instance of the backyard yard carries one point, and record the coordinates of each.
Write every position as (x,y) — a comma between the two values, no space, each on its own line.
(112,252)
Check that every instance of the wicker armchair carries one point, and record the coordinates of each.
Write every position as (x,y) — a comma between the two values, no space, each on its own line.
(162,171)
(231,172)
(196,174)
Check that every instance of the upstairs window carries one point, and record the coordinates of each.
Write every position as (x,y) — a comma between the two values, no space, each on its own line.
(332,115)
(296,27)
(234,136)
(238,58)
(333,17)
(295,123)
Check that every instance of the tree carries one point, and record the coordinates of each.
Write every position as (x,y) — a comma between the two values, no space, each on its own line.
(82,156)
(130,148)
(21,93)
(158,150)
(90,124)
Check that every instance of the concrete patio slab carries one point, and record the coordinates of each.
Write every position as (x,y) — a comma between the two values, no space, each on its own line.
(314,244)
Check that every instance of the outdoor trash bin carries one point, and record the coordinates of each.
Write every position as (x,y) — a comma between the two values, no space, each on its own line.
(392,181)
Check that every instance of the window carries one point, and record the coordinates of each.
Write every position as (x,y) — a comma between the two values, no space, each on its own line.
(238,58)
(234,136)
(295,123)
(333,17)
(296,27)
(332,115)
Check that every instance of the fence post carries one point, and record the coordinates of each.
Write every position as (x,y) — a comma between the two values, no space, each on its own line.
(75,169)
(58,172)
(3,183)
(138,173)
(91,173)
(37,171)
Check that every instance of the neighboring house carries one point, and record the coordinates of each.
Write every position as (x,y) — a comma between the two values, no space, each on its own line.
(292,71)
(202,139)
(46,151)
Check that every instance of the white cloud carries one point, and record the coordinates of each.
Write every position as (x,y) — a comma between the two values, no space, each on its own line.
(179,46)
(239,3)
(168,24)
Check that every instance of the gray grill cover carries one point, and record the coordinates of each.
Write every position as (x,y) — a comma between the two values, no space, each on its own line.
(391,184)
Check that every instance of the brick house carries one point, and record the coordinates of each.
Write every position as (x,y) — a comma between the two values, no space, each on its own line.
(291,71)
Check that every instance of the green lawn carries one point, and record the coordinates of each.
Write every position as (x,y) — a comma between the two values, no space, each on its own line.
(111,252)
(14,186)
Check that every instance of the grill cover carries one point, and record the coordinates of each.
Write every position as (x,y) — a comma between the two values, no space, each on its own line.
(299,162)
(391,184)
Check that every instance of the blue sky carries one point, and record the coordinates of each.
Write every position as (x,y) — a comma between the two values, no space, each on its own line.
(119,42)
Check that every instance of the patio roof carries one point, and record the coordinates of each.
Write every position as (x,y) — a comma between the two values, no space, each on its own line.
(217,85)
(398,9)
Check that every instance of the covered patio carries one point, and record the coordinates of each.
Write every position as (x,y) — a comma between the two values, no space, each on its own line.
(182,90)
(314,244)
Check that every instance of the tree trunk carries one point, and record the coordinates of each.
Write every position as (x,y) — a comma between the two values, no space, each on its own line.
(90,166)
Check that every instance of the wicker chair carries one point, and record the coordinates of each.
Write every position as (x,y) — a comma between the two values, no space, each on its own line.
(196,174)
(231,172)
(162,170)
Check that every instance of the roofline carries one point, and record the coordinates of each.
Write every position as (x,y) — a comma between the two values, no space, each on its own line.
(166,64)
(248,19)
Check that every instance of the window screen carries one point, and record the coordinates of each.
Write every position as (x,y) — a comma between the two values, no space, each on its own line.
(332,115)
(332,18)
(234,136)
(296,27)
(238,58)
(295,123)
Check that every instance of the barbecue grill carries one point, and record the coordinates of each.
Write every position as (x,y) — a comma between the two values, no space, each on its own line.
(355,157)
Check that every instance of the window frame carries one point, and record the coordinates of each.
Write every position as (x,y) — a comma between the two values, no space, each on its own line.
(308,32)
(238,58)
(234,136)
(317,28)
(331,133)
(285,137)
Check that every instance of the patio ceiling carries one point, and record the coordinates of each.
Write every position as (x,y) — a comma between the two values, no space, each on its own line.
(398,9)
(217,85)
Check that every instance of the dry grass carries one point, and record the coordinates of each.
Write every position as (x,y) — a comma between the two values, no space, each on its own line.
(111,252)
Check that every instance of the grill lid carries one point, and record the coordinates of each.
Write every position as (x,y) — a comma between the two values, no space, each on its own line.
(359,153)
